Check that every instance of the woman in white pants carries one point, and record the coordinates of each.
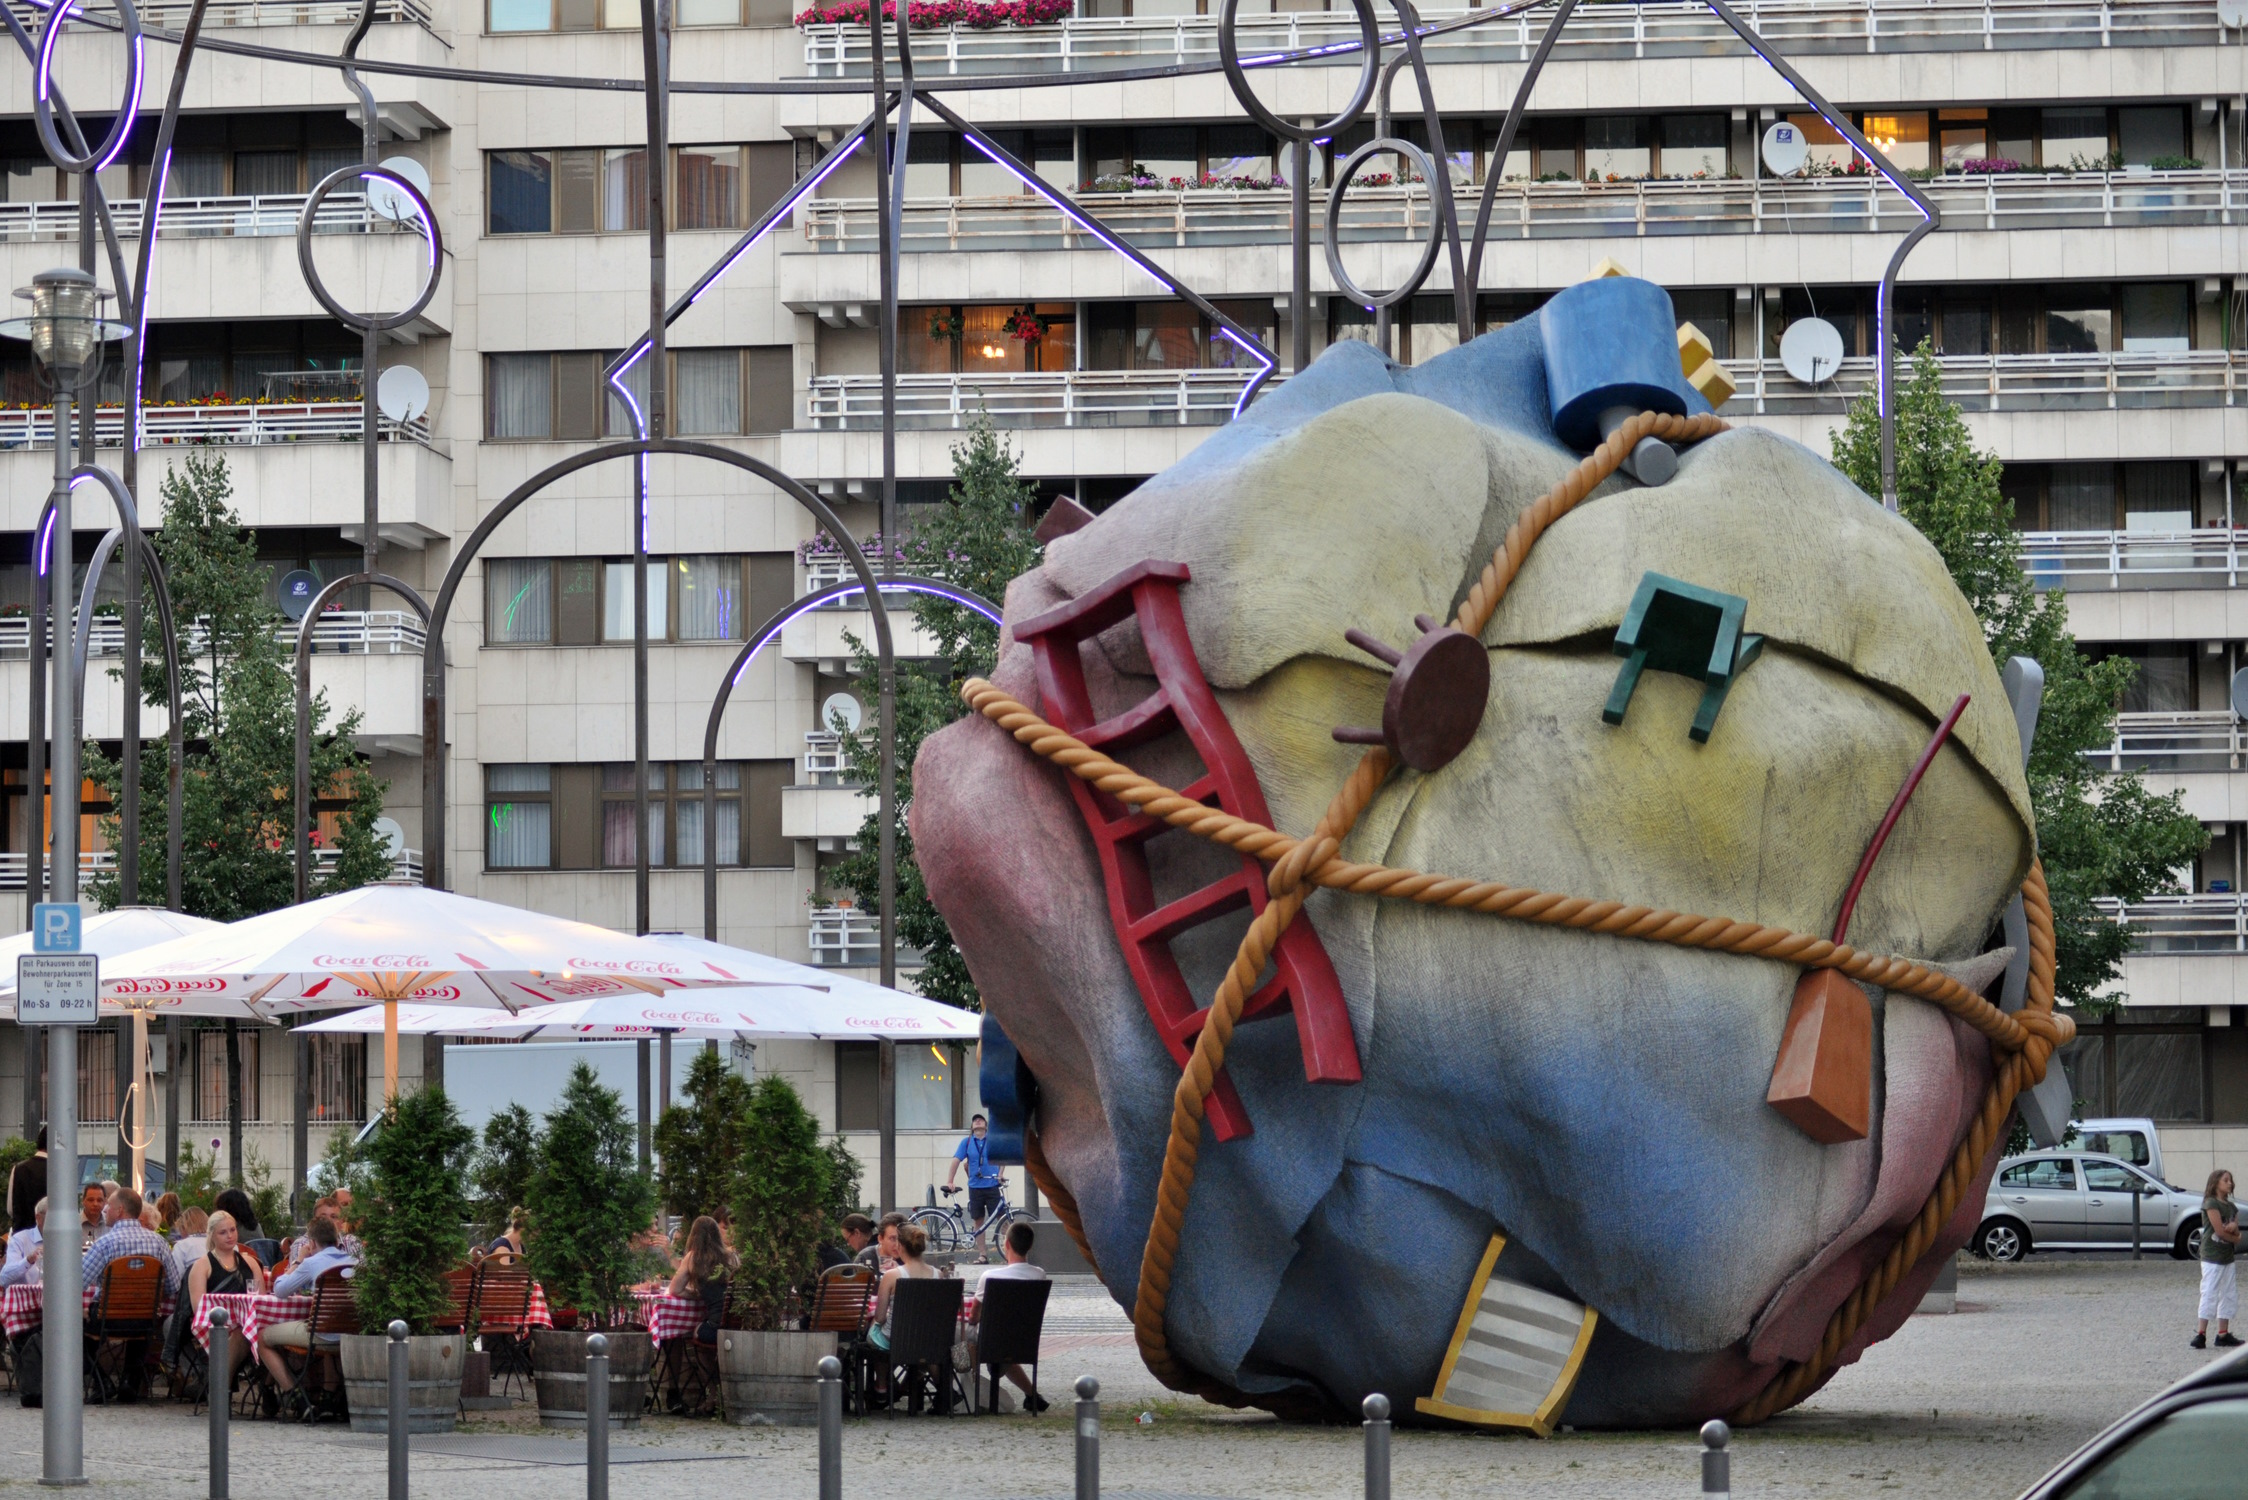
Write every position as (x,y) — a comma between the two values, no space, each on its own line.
(2220,1278)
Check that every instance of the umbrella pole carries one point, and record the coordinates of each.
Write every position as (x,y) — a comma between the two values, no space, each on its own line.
(389,1050)
(142,1086)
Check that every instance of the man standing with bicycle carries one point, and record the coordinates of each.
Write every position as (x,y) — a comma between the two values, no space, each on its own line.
(983,1178)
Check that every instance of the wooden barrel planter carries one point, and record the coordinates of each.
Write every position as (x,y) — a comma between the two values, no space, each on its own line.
(433,1381)
(558,1370)
(772,1377)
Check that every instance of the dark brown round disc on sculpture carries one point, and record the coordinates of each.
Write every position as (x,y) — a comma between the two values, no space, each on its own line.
(1436,698)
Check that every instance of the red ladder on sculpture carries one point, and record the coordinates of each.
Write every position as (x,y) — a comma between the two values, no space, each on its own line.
(1303,980)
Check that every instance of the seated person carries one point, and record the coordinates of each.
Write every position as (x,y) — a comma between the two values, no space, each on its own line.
(224,1267)
(704,1274)
(858,1240)
(194,1227)
(326,1256)
(125,1235)
(1016,1247)
(911,1241)
(509,1245)
(23,1251)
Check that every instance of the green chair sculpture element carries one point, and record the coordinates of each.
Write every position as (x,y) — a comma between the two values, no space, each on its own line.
(1695,632)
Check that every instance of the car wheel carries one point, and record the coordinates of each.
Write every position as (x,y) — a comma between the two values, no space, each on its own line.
(2001,1239)
(2189,1243)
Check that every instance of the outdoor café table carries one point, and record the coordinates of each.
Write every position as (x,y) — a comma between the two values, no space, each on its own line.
(250,1312)
(667,1317)
(22,1307)
(535,1315)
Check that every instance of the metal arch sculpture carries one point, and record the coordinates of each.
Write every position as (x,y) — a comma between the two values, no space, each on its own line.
(764,635)
(433,656)
(301,673)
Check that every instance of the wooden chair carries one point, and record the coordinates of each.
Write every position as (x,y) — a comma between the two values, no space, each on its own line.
(125,1321)
(924,1322)
(1008,1326)
(460,1312)
(503,1310)
(333,1312)
(840,1304)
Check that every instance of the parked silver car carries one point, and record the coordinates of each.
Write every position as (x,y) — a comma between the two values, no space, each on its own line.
(2083,1200)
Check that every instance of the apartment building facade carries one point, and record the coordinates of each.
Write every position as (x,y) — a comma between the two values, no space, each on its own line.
(2085,298)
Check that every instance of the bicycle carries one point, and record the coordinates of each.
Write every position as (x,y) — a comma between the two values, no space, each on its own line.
(949,1227)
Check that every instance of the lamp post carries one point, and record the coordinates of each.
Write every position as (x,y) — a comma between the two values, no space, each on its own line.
(66,330)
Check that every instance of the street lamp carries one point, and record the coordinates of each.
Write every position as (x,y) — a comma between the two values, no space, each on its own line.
(66,332)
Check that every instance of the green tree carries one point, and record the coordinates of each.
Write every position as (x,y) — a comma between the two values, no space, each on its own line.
(195,1177)
(780,1200)
(843,1173)
(700,1140)
(411,1215)
(238,716)
(2100,834)
(502,1181)
(980,539)
(588,1201)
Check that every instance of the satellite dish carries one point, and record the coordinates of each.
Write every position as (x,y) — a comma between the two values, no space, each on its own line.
(1811,350)
(297,591)
(1785,149)
(401,394)
(840,706)
(2232,14)
(2240,694)
(390,203)
(390,836)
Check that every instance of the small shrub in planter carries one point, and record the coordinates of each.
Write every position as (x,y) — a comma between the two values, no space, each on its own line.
(700,1141)
(783,1196)
(502,1181)
(589,1201)
(411,1208)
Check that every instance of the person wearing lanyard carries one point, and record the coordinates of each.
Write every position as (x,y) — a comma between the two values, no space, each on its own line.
(983,1177)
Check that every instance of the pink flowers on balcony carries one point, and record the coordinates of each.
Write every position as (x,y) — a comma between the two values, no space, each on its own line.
(930,15)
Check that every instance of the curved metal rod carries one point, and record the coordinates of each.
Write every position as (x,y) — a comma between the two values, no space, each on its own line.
(1440,178)
(129,523)
(301,819)
(764,635)
(433,651)
(1496,169)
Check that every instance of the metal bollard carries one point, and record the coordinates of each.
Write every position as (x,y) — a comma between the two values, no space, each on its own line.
(1717,1464)
(1376,1408)
(1088,1438)
(831,1428)
(597,1417)
(219,1387)
(398,1409)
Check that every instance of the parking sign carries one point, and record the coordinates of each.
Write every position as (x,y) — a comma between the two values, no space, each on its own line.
(54,927)
(58,989)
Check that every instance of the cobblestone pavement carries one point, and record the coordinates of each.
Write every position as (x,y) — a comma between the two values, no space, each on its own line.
(1977,1404)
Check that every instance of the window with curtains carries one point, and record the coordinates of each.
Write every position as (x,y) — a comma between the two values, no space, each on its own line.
(576,601)
(604,189)
(2152,496)
(582,817)
(97,1074)
(718,392)
(504,16)
(2144,1061)
(337,1078)
(209,1048)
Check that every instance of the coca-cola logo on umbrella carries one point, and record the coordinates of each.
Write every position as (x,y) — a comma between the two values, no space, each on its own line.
(378,961)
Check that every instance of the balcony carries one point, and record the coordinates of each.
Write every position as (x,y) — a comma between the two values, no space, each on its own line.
(337,632)
(1799,27)
(845,938)
(231,425)
(1219,217)
(829,815)
(1074,398)
(2173,742)
(824,761)
(2211,923)
(201,218)
(171,15)
(2201,559)
(405,867)
(823,636)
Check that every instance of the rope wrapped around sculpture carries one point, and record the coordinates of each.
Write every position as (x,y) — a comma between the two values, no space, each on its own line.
(2028,1038)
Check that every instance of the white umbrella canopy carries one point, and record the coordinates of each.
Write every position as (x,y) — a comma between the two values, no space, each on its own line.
(392,943)
(772,1013)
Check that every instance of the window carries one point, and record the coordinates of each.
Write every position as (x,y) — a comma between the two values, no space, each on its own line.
(586,601)
(522,192)
(581,817)
(503,16)
(858,1085)
(97,1074)
(1962,136)
(1616,147)
(2156,318)
(2046,1172)
(210,1072)
(550,396)
(713,393)
(1696,146)
(992,336)
(706,187)
(2130,1145)
(1903,138)
(935,1086)
(925,1078)
(2072,138)
(2187,1455)
(709,391)
(732,13)
(2146,137)
(2141,1061)
(338,1077)
(605,189)
(2106,1177)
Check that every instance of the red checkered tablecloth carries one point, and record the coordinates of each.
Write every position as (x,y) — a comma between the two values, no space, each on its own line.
(536,1316)
(249,1312)
(23,1307)
(668,1317)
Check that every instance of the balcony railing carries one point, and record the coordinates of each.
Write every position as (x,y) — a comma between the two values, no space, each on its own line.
(823,572)
(245,423)
(2129,381)
(2207,558)
(2175,742)
(824,761)
(2213,923)
(1187,398)
(405,866)
(340,632)
(845,937)
(1091,44)
(1216,217)
(269,216)
(171,15)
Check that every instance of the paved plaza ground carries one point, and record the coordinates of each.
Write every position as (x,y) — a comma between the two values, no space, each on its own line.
(1977,1404)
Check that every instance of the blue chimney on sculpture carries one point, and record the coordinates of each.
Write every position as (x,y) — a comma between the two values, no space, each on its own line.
(1611,352)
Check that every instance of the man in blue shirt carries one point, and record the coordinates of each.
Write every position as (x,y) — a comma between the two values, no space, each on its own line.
(124,1236)
(983,1178)
(327,1255)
